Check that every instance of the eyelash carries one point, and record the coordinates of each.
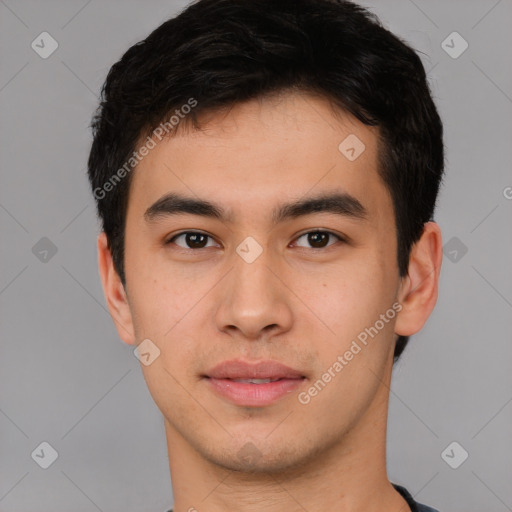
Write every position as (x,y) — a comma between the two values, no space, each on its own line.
(321,231)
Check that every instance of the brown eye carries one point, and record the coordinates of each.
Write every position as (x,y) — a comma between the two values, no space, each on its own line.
(318,239)
(191,240)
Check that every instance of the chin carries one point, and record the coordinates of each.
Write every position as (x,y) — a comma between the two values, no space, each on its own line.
(263,457)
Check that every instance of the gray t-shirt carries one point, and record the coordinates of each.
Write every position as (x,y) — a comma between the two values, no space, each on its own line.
(413,505)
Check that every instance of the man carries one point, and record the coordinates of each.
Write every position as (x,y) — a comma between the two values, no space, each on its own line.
(266,174)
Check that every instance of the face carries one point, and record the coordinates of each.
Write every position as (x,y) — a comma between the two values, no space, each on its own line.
(247,280)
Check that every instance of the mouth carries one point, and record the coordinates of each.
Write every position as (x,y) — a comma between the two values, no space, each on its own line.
(253,384)
(256,381)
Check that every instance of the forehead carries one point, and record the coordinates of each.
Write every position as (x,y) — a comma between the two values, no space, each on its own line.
(262,152)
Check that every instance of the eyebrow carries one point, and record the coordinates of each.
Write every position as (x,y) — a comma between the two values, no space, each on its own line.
(339,203)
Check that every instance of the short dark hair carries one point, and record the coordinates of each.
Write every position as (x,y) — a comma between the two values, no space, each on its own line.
(224,52)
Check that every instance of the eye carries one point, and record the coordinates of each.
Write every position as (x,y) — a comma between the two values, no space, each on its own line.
(191,239)
(319,239)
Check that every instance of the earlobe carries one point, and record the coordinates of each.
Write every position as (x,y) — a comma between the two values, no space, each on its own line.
(115,294)
(419,289)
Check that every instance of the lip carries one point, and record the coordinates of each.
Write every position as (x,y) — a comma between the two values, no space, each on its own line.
(221,380)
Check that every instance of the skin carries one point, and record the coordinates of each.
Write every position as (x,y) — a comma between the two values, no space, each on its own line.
(294,304)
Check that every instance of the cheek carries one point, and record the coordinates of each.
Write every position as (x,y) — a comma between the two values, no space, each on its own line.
(175,315)
(350,302)
(160,307)
(166,317)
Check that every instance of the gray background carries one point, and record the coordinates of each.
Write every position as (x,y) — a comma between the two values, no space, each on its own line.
(66,378)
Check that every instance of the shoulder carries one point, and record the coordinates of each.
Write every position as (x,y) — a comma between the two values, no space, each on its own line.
(413,505)
(425,508)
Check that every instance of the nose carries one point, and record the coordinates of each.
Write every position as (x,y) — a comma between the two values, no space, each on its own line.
(254,300)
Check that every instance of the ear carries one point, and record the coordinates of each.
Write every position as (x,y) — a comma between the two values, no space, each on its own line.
(418,290)
(115,295)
